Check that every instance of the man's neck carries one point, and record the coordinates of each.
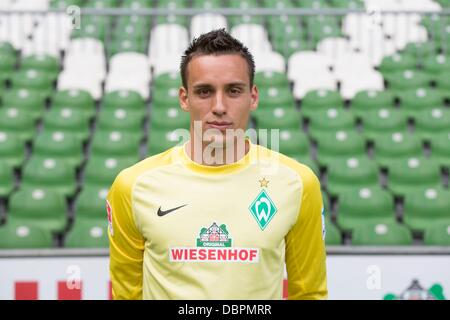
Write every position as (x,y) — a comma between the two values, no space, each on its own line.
(206,154)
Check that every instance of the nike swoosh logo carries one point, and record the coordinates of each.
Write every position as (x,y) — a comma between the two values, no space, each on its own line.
(162,213)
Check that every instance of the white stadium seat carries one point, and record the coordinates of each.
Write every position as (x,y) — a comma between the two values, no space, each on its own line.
(205,22)
(80,80)
(269,61)
(311,80)
(307,62)
(353,83)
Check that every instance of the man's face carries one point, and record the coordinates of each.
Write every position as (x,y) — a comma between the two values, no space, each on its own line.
(219,93)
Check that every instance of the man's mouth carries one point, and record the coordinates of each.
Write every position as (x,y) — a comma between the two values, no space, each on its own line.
(221,125)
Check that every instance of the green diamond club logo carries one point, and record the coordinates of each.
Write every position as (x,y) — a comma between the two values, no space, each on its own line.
(214,236)
(263,209)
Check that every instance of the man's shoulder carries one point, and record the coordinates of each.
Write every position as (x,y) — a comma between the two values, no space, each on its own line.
(127,177)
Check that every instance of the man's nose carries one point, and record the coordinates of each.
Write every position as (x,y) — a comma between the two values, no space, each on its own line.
(219,105)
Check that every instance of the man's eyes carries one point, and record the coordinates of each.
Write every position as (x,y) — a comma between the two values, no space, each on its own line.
(203,92)
(235,91)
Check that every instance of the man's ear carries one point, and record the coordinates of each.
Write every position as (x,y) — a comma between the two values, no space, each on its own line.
(255,98)
(183,97)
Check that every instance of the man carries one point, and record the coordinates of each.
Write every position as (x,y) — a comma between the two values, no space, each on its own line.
(202,222)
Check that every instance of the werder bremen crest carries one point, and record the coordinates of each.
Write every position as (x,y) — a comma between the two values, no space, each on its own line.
(263,209)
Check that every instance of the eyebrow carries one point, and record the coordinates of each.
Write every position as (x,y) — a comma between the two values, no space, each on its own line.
(232,84)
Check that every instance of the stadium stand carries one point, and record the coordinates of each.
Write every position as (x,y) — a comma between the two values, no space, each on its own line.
(363,99)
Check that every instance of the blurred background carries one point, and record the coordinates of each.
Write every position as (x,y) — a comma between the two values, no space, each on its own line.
(360,91)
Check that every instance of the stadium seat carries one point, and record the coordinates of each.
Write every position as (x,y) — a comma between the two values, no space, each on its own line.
(293,143)
(412,173)
(317,100)
(437,234)
(391,146)
(165,98)
(128,100)
(270,61)
(76,99)
(204,22)
(117,144)
(7,182)
(12,149)
(358,207)
(368,80)
(345,174)
(31,101)
(80,79)
(440,149)
(90,203)
(432,121)
(45,208)
(338,144)
(100,173)
(49,173)
(87,233)
(333,235)
(18,123)
(367,100)
(381,234)
(121,120)
(278,118)
(33,79)
(161,140)
(70,121)
(59,145)
(383,121)
(397,63)
(332,119)
(44,63)
(167,80)
(24,236)
(169,119)
(275,97)
(407,79)
(264,79)
(425,207)
(438,64)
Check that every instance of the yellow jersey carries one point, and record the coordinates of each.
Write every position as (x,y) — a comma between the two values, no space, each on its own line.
(182,230)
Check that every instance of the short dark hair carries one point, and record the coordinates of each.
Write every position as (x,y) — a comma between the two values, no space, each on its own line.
(216,42)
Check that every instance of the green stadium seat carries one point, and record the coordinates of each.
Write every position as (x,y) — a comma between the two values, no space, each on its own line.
(131,101)
(7,48)
(31,101)
(278,118)
(264,79)
(90,29)
(207,4)
(44,63)
(308,161)
(391,146)
(33,79)
(7,65)
(437,64)
(426,207)
(332,119)
(44,208)
(371,100)
(6,179)
(76,99)
(293,143)
(333,236)
(17,122)
(397,63)
(348,4)
(437,234)
(167,80)
(100,173)
(69,120)
(346,174)
(420,50)
(440,149)
(12,149)
(117,144)
(407,79)
(382,234)
(87,233)
(169,119)
(121,120)
(90,203)
(63,4)
(51,174)
(443,82)
(24,236)
(162,140)
(432,121)
(339,144)
(62,146)
(321,27)
(362,206)
(276,97)
(412,173)
(383,121)
(165,98)
(317,100)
